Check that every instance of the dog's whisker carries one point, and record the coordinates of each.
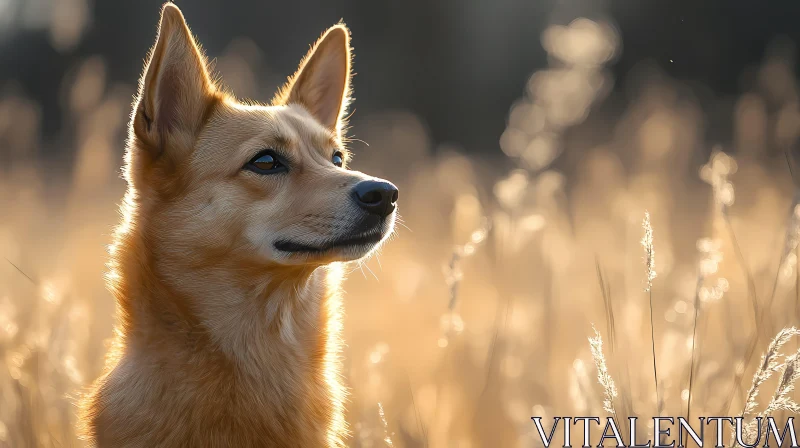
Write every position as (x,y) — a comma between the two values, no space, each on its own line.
(364,264)
(361,267)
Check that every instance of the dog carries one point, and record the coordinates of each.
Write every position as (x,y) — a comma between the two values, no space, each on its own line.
(227,263)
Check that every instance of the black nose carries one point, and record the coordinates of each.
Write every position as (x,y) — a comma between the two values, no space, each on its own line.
(376,196)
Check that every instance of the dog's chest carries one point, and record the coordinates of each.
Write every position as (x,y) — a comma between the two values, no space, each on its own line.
(233,411)
(287,412)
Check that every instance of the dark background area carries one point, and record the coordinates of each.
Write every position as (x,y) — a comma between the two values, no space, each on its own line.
(457,64)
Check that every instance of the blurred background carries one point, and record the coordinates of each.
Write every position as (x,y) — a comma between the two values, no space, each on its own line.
(528,138)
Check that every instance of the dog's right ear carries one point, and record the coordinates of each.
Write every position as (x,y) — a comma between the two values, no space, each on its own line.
(322,82)
(175,91)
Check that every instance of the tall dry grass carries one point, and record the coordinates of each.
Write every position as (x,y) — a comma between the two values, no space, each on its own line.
(460,347)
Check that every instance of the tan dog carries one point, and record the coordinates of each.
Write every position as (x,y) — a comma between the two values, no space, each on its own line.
(224,266)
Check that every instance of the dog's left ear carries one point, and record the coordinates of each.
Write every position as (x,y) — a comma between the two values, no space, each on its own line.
(322,82)
(175,90)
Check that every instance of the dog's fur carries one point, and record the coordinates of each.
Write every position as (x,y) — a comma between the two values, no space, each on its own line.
(222,339)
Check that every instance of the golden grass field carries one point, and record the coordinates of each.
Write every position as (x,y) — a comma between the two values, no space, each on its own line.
(478,314)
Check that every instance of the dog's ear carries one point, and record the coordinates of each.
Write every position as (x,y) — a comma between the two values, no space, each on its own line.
(322,82)
(175,91)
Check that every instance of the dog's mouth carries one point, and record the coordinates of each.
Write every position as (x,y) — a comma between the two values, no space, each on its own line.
(362,237)
(362,240)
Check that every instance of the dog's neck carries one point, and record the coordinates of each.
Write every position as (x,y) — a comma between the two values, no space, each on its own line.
(251,314)
(257,348)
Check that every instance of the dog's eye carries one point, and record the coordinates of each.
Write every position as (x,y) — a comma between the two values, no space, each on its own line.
(265,162)
(338,159)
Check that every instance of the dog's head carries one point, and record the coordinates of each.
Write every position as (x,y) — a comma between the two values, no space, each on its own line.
(216,178)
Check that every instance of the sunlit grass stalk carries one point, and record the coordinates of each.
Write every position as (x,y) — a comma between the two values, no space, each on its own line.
(623,407)
(769,365)
(780,400)
(385,425)
(751,292)
(791,240)
(420,425)
(609,309)
(453,271)
(650,262)
(603,377)
(694,342)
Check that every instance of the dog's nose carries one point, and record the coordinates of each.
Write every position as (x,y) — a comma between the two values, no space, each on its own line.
(376,196)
